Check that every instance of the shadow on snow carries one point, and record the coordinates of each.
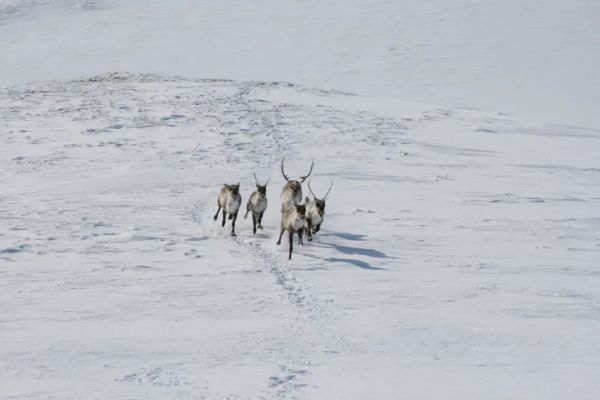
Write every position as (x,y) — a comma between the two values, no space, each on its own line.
(350,250)
(355,262)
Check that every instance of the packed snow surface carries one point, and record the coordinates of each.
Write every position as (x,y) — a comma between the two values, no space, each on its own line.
(459,257)
(458,245)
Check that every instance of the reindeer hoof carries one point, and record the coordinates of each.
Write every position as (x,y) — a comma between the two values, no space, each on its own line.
(260,227)
(310,239)
(233,234)
(278,243)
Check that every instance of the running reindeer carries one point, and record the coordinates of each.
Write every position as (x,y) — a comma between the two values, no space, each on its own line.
(292,191)
(293,214)
(229,200)
(293,220)
(315,212)
(257,204)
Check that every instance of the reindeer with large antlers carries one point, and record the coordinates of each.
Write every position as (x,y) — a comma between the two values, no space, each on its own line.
(315,212)
(257,204)
(292,191)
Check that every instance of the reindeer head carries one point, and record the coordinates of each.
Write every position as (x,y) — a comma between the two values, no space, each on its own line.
(301,210)
(233,189)
(296,188)
(261,189)
(320,203)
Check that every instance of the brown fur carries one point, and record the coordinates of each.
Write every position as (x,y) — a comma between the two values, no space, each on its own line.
(290,220)
(228,195)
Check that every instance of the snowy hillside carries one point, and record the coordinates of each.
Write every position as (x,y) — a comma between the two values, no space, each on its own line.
(458,244)
(460,253)
(536,59)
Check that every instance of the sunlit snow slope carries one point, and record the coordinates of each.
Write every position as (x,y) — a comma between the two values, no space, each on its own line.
(536,59)
(459,255)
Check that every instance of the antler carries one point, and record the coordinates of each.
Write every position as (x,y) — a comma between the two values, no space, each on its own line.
(258,183)
(315,196)
(311,192)
(282,171)
(303,178)
(326,194)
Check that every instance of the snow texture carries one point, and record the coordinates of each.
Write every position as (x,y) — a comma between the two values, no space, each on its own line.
(459,257)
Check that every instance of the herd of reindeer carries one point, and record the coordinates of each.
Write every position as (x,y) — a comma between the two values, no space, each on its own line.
(295,217)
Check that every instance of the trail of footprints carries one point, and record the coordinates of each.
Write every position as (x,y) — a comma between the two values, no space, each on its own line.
(117,109)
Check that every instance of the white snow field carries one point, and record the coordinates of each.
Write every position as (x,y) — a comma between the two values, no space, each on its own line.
(460,253)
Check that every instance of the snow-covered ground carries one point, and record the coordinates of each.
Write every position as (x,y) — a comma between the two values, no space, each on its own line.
(459,258)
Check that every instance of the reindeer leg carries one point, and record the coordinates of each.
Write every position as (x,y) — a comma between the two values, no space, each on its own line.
(280,235)
(224,215)
(317,228)
(291,244)
(301,236)
(234,216)
(254,223)
(217,214)
(309,230)
(260,220)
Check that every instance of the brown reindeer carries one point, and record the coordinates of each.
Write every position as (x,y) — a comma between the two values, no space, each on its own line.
(315,212)
(229,200)
(292,191)
(293,221)
(257,204)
